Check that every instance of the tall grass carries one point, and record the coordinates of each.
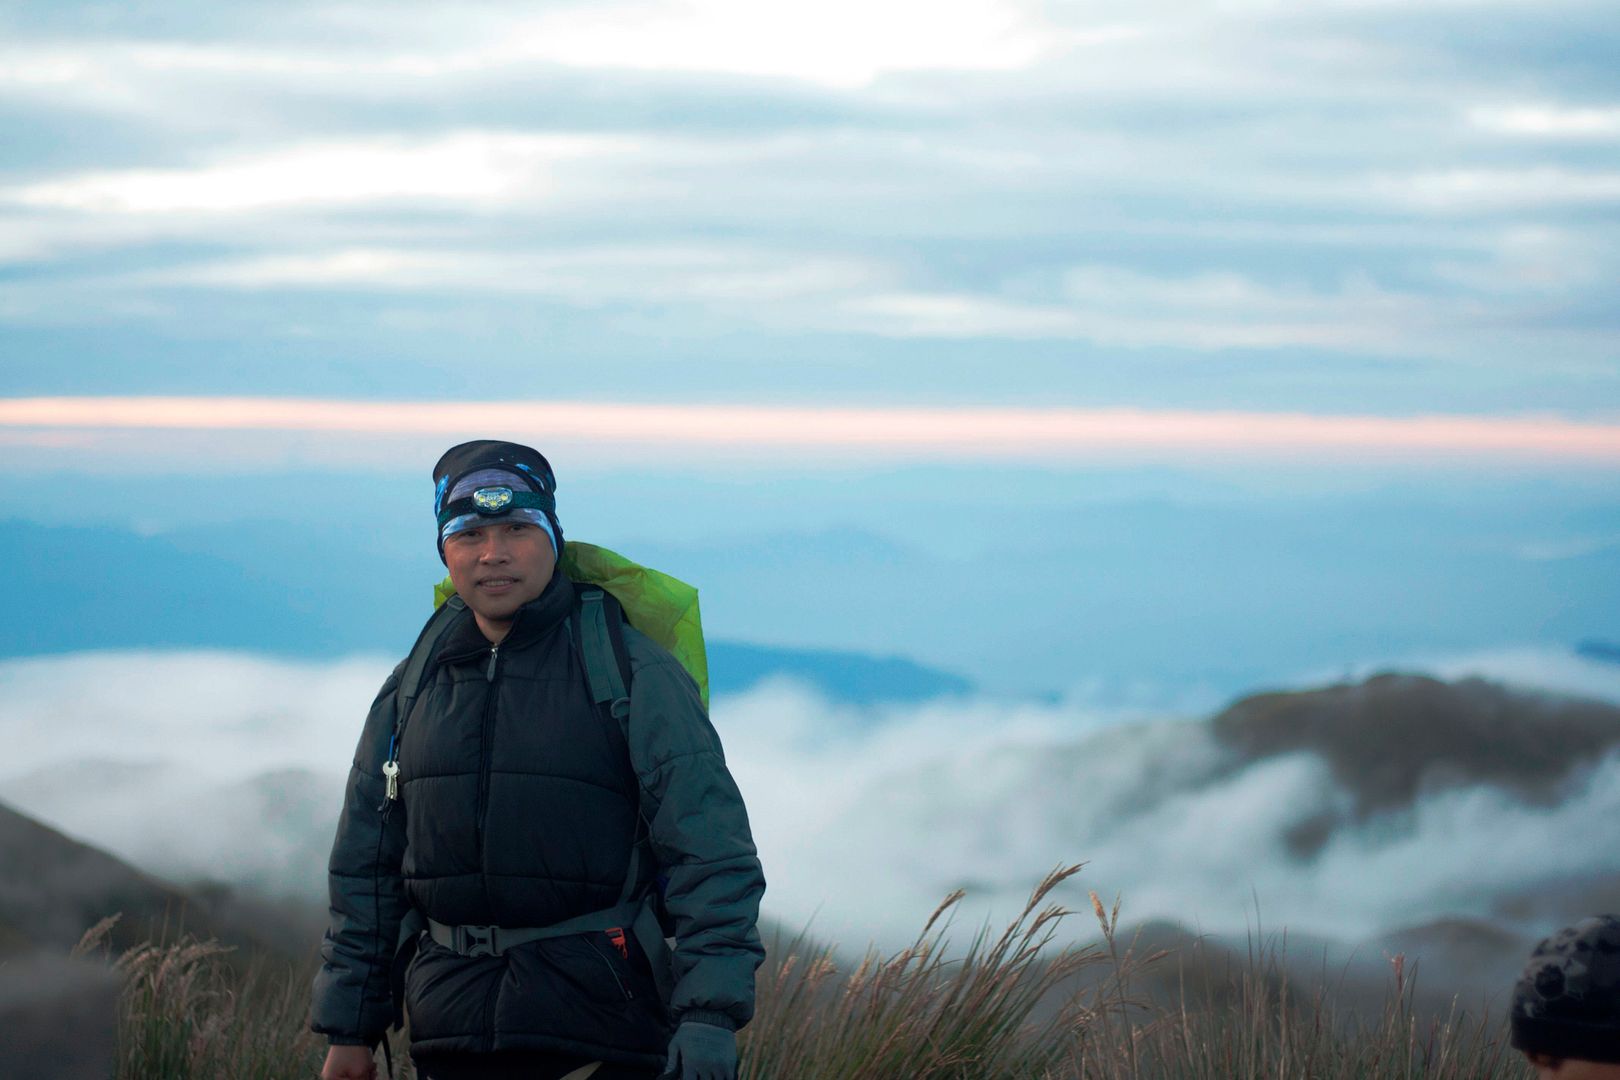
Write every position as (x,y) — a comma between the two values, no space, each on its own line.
(195,1010)
(1251,1024)
(921,1013)
(1013,1005)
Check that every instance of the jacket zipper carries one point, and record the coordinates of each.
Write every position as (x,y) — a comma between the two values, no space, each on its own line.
(487,752)
(486,748)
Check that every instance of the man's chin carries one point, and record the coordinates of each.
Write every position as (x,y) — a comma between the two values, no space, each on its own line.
(503,608)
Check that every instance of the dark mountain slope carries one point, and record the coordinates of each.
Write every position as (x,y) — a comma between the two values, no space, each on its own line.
(1394,737)
(1387,737)
(54,888)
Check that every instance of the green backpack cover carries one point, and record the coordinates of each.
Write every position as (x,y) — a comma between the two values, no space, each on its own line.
(662,607)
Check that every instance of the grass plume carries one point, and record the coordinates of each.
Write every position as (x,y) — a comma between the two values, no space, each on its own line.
(1013,1005)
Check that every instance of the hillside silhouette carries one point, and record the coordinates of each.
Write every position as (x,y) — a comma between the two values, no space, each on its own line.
(1394,737)
(55,888)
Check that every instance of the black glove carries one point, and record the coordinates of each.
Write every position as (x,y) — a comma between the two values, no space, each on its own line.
(702,1051)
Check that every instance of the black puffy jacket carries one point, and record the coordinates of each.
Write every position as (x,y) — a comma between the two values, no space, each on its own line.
(519,805)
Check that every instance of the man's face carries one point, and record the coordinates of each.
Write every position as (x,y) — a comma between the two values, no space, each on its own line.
(497,568)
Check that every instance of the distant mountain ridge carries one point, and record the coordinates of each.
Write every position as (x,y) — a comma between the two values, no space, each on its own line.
(847,677)
(1607,652)
(142,592)
(1149,592)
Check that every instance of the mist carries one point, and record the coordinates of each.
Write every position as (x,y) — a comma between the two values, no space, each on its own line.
(228,767)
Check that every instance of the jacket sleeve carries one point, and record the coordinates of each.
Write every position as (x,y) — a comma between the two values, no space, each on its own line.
(352,999)
(699,833)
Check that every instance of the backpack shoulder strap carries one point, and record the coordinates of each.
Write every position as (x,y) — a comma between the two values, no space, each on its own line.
(416,664)
(607,669)
(607,662)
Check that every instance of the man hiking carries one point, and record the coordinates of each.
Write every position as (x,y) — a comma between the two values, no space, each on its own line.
(547,835)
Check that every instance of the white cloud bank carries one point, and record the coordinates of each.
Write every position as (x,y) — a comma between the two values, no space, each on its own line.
(843,44)
(1549,121)
(462,166)
(221,765)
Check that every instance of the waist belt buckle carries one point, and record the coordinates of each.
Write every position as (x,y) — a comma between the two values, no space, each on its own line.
(476,941)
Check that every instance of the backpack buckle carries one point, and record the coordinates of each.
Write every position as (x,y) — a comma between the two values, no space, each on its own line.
(475,941)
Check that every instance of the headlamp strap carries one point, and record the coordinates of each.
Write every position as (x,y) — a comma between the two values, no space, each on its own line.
(495,501)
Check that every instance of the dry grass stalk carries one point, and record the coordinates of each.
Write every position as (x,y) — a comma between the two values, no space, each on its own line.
(924,1013)
(1006,1008)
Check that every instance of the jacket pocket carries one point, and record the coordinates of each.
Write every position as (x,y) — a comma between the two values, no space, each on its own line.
(447,995)
(618,968)
(581,988)
(588,966)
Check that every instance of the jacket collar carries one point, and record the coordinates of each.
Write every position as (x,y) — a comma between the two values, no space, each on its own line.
(533,620)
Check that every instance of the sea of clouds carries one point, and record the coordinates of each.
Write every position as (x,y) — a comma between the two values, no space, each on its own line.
(210,766)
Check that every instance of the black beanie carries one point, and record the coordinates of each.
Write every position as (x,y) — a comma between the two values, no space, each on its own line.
(1567,1002)
(514,458)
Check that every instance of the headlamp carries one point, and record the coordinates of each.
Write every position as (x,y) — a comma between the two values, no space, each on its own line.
(495,501)
(492,500)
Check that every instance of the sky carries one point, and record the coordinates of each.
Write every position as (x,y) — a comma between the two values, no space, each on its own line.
(784,289)
(1352,208)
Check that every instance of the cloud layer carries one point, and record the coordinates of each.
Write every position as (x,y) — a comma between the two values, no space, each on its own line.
(1406,204)
(230,766)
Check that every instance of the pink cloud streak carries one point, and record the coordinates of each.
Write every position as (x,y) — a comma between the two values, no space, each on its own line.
(926,432)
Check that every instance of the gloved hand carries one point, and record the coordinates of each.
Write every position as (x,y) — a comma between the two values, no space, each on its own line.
(702,1051)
